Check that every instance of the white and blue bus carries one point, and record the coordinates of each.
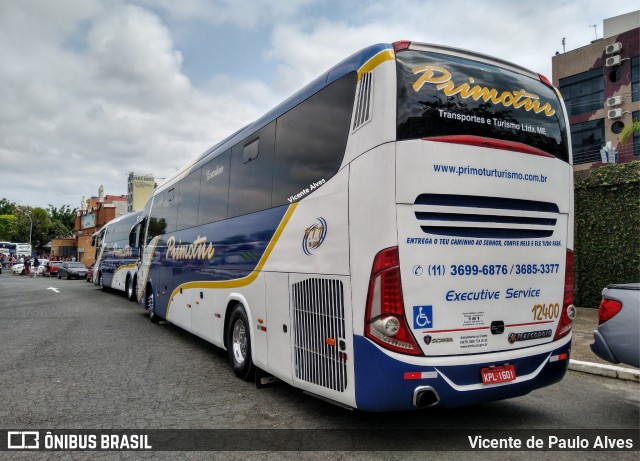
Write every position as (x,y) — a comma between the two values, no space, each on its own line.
(396,235)
(116,264)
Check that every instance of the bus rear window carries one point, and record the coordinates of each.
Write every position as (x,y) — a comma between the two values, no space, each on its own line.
(441,95)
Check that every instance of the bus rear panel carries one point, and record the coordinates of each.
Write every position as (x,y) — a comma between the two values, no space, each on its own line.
(473,303)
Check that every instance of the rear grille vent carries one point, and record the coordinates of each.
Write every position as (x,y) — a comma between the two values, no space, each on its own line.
(485,217)
(363,102)
(319,331)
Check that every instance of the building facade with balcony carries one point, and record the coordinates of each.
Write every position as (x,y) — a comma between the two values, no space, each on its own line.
(600,85)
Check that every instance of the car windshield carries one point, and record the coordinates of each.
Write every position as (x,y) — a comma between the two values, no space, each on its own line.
(77,265)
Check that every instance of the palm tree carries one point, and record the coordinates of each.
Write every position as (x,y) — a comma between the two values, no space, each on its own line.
(629,131)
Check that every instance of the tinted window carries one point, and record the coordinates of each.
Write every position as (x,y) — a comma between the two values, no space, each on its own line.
(214,189)
(587,138)
(157,223)
(170,209)
(442,95)
(311,140)
(251,180)
(188,201)
(583,92)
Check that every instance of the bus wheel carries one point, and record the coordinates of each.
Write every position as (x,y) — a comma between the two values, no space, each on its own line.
(239,344)
(151,306)
(131,290)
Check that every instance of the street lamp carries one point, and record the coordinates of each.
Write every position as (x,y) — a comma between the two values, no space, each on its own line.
(28,215)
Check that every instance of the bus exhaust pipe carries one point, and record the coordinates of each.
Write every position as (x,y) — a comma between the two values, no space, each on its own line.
(424,397)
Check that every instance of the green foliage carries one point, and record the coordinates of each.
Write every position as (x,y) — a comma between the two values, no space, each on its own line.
(7,207)
(18,222)
(607,229)
(629,131)
(65,215)
(7,227)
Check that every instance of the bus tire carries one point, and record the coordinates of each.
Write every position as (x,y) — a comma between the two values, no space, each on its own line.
(151,306)
(239,344)
(131,289)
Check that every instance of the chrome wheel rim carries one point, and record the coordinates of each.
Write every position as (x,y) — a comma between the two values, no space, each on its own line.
(150,304)
(239,341)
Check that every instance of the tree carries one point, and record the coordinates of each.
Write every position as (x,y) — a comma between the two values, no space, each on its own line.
(64,215)
(7,227)
(629,131)
(7,207)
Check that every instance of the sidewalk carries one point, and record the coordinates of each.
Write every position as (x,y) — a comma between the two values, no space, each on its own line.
(584,360)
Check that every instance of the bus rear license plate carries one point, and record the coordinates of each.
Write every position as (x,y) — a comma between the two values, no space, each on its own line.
(501,374)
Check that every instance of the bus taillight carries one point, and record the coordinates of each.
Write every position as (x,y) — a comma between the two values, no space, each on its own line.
(401,45)
(568,309)
(385,322)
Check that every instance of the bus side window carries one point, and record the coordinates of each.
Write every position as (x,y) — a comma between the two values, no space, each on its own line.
(170,209)
(157,223)
(311,139)
(214,189)
(252,173)
(188,201)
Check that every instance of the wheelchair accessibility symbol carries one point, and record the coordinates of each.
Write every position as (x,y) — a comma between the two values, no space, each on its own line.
(422,317)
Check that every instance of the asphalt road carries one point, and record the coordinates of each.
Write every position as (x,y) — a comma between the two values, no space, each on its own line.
(79,358)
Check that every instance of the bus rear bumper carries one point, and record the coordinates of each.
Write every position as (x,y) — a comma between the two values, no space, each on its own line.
(385,383)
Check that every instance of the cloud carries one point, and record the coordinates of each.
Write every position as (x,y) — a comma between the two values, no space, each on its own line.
(91,96)
(94,89)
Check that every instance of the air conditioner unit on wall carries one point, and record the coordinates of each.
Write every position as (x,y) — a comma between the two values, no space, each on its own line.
(613,61)
(614,113)
(614,48)
(614,101)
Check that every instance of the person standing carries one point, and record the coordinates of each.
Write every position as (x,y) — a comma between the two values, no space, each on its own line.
(36,265)
(27,266)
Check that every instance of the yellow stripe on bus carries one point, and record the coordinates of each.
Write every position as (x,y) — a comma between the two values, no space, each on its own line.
(375,61)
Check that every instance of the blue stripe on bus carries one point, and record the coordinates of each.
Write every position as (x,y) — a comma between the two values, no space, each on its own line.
(239,244)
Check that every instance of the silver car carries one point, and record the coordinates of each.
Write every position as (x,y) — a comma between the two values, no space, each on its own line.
(616,338)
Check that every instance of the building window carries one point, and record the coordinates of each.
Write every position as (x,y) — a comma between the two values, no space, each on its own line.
(587,139)
(635,79)
(583,92)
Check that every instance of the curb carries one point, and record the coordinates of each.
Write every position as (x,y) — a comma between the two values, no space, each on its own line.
(610,371)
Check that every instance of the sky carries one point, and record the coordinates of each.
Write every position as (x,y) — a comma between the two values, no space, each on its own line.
(91,90)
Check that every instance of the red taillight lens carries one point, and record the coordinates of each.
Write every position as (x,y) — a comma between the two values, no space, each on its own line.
(608,308)
(401,45)
(385,322)
(568,309)
(545,80)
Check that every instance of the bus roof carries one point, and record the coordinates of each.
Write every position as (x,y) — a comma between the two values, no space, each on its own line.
(350,64)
